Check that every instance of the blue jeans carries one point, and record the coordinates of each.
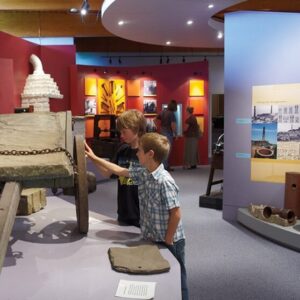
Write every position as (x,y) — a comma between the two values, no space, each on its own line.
(177,250)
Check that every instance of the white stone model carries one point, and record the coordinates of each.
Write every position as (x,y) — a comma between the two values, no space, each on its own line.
(39,87)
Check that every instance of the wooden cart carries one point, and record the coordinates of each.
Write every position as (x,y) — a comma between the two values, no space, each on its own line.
(39,150)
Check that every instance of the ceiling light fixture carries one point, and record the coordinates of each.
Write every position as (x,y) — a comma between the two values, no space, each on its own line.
(189,22)
(168,42)
(121,23)
(220,35)
(84,7)
(73,10)
(210,6)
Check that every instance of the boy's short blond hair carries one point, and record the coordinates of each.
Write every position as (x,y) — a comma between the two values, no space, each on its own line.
(158,143)
(132,119)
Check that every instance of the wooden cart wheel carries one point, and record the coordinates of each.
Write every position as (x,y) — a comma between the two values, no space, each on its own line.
(81,185)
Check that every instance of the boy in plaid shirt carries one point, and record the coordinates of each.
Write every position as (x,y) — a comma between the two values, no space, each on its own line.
(160,214)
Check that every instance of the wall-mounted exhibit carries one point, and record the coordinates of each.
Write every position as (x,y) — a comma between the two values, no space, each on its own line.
(111,90)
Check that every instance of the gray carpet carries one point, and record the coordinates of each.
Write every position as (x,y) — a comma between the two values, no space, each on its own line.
(224,260)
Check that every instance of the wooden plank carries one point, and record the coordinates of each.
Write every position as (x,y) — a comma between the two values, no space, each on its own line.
(68,132)
(81,185)
(9,202)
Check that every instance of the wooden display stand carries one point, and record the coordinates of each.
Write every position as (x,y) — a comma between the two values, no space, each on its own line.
(213,200)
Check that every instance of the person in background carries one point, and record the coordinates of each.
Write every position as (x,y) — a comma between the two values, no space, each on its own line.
(166,120)
(158,196)
(191,138)
(132,125)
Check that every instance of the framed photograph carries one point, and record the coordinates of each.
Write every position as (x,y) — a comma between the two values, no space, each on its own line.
(149,88)
(150,125)
(150,106)
(90,106)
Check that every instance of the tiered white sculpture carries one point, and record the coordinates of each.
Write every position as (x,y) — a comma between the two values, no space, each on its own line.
(39,87)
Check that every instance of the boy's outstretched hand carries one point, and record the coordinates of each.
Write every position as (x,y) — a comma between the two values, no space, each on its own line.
(89,152)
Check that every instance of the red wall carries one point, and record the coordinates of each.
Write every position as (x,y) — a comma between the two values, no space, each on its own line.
(56,61)
(172,83)
(7,86)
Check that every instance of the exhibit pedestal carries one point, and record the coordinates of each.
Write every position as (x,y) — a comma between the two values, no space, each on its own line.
(214,200)
(287,236)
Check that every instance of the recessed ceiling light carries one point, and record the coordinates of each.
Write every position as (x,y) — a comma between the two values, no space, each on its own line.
(210,6)
(73,10)
(220,35)
(189,22)
(168,42)
(121,23)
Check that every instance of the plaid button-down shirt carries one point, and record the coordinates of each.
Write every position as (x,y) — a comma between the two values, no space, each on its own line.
(158,193)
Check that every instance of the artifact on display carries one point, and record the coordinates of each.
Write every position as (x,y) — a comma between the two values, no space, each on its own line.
(39,87)
(279,216)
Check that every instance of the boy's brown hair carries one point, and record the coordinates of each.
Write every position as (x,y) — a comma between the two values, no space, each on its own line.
(132,119)
(158,143)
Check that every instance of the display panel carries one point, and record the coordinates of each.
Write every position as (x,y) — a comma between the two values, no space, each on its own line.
(111,96)
(134,87)
(196,88)
(275,132)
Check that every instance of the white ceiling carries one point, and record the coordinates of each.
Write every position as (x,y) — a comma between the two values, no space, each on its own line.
(158,21)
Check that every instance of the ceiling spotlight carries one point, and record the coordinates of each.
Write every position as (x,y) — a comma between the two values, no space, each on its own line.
(220,35)
(105,71)
(189,22)
(168,42)
(73,10)
(84,7)
(210,6)
(121,23)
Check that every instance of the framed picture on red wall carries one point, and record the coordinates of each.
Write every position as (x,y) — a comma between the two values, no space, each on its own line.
(150,106)
(90,106)
(149,88)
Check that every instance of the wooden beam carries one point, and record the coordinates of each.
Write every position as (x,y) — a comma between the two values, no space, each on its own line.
(9,202)
(47,5)
(51,24)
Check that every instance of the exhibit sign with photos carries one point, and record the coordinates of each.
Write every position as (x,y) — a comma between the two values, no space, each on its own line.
(275,132)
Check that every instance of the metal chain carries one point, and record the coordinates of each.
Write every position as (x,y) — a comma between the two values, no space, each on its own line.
(43,151)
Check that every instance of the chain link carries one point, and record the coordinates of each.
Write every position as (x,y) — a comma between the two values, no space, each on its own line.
(43,151)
